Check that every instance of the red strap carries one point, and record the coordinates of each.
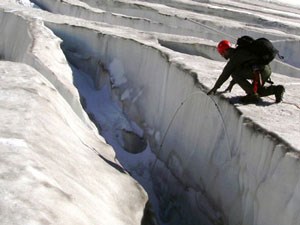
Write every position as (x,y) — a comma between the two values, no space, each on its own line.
(257,81)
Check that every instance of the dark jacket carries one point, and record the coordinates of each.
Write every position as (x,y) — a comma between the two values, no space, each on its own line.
(240,61)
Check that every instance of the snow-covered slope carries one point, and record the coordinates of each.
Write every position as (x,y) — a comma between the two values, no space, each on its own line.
(54,169)
(217,162)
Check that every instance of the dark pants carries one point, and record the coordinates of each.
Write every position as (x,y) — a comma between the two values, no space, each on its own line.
(242,76)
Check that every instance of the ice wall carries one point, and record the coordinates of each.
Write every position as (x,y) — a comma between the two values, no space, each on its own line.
(34,44)
(246,173)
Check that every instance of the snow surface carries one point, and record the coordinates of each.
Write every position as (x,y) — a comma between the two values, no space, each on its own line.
(141,70)
(50,168)
(286,2)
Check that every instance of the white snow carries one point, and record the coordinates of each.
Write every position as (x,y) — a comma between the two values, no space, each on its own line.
(141,70)
(287,2)
(50,168)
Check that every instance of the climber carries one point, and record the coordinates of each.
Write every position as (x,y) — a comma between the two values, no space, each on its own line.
(244,65)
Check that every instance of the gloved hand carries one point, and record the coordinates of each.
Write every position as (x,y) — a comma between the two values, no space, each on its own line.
(212,91)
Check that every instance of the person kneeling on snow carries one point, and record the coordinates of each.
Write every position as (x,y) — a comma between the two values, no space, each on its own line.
(243,65)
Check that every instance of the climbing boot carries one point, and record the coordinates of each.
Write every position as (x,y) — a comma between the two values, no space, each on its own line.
(250,98)
(279,91)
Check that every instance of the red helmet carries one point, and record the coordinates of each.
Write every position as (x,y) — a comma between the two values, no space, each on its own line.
(223,46)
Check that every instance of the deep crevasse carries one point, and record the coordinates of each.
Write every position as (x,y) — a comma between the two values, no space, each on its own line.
(208,145)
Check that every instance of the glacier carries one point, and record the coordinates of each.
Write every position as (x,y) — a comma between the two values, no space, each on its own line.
(137,72)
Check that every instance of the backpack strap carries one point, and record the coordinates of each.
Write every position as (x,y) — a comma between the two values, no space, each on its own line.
(269,81)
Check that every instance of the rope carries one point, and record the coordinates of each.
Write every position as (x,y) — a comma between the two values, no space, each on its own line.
(175,113)
(288,103)
(210,28)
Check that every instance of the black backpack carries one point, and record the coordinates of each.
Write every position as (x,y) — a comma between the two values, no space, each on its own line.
(261,47)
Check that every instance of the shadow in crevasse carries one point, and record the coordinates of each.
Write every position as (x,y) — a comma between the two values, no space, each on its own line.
(114,165)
